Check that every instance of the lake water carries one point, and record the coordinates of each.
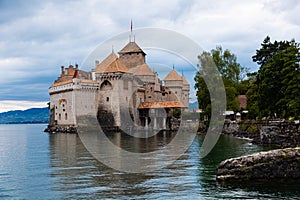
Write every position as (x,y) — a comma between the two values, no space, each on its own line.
(36,165)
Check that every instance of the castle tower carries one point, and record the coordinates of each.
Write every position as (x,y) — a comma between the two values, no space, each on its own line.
(175,83)
(185,91)
(114,97)
(132,55)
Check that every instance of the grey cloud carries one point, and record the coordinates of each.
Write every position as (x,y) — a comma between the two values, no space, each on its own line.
(54,33)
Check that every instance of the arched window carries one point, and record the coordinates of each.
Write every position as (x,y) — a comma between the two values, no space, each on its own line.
(106,85)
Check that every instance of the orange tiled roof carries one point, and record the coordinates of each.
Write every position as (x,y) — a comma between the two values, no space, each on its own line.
(106,62)
(116,66)
(165,104)
(62,83)
(142,70)
(70,81)
(131,47)
(173,76)
(184,81)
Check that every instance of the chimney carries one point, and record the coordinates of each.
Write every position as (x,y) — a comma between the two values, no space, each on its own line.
(76,66)
(62,70)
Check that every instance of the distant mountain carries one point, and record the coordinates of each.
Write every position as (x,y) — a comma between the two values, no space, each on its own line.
(40,115)
(33,115)
(193,105)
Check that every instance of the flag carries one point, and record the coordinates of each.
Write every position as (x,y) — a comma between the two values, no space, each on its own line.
(130,25)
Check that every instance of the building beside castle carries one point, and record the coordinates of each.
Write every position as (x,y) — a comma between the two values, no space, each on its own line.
(121,91)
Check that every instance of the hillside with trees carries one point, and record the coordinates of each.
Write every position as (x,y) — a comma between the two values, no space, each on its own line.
(33,115)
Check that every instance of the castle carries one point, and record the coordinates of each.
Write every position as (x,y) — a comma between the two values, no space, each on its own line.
(121,91)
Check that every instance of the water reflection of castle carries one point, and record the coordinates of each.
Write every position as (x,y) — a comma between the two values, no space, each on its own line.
(119,90)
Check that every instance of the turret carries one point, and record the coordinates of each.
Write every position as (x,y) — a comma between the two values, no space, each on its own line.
(132,55)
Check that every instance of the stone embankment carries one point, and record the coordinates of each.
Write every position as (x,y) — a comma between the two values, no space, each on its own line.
(61,129)
(280,164)
(280,134)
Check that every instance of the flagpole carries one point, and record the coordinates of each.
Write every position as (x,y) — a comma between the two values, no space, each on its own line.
(130,30)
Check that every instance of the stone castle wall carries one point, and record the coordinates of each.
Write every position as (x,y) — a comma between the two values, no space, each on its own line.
(63,106)
(132,59)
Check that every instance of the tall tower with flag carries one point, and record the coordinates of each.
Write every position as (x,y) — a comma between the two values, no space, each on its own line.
(132,55)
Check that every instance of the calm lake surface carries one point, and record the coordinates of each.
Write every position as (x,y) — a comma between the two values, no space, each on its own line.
(36,165)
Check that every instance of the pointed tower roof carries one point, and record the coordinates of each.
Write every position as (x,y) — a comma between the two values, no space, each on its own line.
(116,66)
(173,76)
(143,70)
(106,62)
(131,47)
(184,81)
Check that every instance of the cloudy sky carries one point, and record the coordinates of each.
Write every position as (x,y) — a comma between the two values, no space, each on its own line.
(37,37)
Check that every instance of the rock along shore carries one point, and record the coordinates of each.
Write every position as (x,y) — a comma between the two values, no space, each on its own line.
(279,164)
(279,133)
(61,129)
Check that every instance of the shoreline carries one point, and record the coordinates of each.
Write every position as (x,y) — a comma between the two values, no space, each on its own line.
(277,134)
(281,163)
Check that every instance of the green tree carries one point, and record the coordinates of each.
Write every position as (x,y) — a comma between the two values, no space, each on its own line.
(252,103)
(232,74)
(276,88)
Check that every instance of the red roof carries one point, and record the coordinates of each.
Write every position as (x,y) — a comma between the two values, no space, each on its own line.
(243,101)
(165,104)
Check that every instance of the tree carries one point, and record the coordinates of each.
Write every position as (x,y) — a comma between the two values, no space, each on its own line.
(204,101)
(232,74)
(252,105)
(276,87)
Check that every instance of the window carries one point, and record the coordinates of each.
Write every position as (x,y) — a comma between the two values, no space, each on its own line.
(107,99)
(59,116)
(66,116)
(125,84)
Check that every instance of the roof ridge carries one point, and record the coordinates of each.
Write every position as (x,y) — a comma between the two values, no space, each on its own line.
(143,69)
(184,81)
(101,67)
(173,76)
(116,66)
(131,47)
